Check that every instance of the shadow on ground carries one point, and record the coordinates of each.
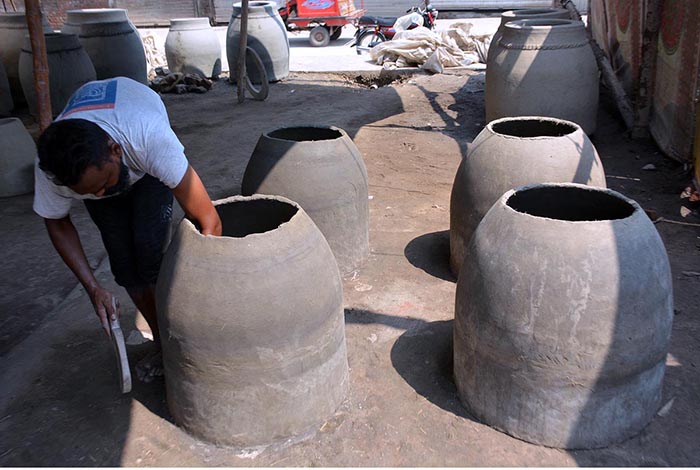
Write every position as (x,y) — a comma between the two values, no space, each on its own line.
(431,253)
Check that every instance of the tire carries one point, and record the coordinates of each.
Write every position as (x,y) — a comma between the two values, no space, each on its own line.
(319,37)
(336,33)
(370,38)
(260,92)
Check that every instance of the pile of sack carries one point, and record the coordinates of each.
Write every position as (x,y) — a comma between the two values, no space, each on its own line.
(432,50)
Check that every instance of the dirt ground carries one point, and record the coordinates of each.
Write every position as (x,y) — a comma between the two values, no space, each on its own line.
(59,403)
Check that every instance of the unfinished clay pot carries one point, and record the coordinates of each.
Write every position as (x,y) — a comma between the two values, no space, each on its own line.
(13,29)
(193,47)
(126,56)
(563,317)
(543,67)
(17,155)
(322,170)
(267,35)
(252,325)
(530,13)
(69,68)
(512,152)
(6,103)
(76,18)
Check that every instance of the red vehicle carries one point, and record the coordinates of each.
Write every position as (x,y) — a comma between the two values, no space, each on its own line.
(324,18)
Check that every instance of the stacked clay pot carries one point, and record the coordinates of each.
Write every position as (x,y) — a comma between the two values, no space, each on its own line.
(69,68)
(563,317)
(76,18)
(6,102)
(17,156)
(531,13)
(267,36)
(13,29)
(193,47)
(321,169)
(252,325)
(543,67)
(512,152)
(111,40)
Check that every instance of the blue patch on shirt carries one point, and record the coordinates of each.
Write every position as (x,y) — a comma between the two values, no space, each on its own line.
(96,95)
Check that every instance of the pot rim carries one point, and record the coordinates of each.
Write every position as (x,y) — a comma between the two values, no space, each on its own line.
(266,134)
(531,11)
(554,120)
(256,5)
(544,24)
(238,198)
(503,202)
(9,120)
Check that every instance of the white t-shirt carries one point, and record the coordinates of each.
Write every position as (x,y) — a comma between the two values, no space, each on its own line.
(134,117)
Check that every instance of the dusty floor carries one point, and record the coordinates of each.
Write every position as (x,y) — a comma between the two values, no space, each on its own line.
(59,403)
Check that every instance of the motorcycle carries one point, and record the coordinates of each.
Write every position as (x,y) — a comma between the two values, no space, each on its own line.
(371,30)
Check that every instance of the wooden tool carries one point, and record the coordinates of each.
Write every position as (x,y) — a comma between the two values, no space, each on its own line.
(120,350)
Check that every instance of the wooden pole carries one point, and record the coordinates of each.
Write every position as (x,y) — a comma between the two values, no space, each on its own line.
(242,45)
(606,70)
(645,85)
(41,67)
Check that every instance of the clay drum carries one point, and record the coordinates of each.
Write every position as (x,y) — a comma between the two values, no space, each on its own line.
(563,317)
(512,152)
(267,36)
(13,29)
(530,13)
(252,325)
(69,69)
(17,155)
(321,169)
(125,56)
(193,47)
(543,67)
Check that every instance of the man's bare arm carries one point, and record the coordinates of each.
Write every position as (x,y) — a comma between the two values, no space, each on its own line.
(65,239)
(195,201)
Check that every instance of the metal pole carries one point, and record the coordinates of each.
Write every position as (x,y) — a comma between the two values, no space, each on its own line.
(242,45)
(41,68)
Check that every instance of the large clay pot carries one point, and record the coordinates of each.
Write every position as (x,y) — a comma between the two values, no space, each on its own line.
(322,170)
(69,69)
(115,49)
(512,152)
(193,47)
(267,35)
(6,103)
(76,18)
(563,317)
(530,13)
(13,29)
(252,325)
(543,67)
(17,156)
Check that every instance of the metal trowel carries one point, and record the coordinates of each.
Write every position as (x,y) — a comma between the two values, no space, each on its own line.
(117,337)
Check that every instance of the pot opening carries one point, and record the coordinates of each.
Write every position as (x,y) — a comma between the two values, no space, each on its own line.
(533,128)
(570,203)
(535,11)
(242,218)
(541,22)
(258,4)
(6,121)
(305,134)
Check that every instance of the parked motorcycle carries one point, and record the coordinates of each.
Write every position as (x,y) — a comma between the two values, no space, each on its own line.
(372,30)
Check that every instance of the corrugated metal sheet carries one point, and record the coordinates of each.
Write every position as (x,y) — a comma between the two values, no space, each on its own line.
(149,12)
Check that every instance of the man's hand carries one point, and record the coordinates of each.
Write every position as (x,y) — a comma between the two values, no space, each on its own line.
(67,242)
(193,197)
(106,306)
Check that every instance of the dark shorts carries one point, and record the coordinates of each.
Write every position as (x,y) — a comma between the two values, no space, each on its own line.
(134,226)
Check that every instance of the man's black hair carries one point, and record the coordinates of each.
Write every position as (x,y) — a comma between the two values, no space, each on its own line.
(66,148)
